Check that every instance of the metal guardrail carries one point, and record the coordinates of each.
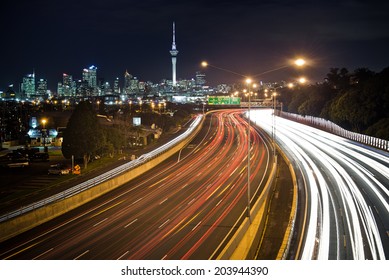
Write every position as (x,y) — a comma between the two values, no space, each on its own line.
(105,176)
(336,129)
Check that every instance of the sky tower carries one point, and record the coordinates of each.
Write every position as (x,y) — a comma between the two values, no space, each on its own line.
(174,53)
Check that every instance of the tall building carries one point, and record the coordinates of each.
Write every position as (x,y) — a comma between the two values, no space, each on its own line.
(67,84)
(90,75)
(28,86)
(85,75)
(174,53)
(116,88)
(200,79)
(42,88)
(60,89)
(127,83)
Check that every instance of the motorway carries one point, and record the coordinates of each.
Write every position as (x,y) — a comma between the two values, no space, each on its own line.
(185,208)
(343,210)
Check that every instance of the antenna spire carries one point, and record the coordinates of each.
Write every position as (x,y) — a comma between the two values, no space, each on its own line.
(174,36)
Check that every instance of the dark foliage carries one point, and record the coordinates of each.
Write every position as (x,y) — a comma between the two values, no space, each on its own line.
(358,101)
(83,136)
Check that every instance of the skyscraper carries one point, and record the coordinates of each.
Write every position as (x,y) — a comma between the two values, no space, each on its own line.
(200,78)
(42,88)
(89,76)
(28,86)
(92,76)
(67,84)
(127,83)
(174,53)
(116,88)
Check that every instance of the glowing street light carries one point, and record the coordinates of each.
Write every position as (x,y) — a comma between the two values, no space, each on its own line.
(302,80)
(299,62)
(44,121)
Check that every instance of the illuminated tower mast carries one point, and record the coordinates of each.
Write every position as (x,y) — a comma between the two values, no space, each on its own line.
(174,53)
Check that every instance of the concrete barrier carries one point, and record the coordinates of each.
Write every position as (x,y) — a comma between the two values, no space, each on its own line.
(284,249)
(244,242)
(41,215)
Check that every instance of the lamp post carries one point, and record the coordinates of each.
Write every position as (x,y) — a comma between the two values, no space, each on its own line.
(248,82)
(44,121)
(274,124)
(298,62)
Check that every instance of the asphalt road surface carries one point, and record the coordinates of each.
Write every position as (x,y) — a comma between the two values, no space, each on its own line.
(344,196)
(186,208)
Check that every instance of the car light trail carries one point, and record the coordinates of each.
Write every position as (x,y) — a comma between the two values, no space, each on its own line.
(107,175)
(347,196)
(179,210)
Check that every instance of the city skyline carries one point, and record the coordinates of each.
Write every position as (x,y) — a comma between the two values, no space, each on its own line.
(246,37)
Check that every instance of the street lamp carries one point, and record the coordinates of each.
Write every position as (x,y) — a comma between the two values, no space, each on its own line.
(248,82)
(302,80)
(298,62)
(205,64)
(44,121)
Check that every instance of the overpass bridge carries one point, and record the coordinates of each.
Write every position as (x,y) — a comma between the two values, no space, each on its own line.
(260,103)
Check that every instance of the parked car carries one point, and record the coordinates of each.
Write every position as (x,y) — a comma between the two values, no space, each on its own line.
(40,156)
(21,162)
(58,169)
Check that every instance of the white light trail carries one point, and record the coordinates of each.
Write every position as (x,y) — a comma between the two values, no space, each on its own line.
(345,181)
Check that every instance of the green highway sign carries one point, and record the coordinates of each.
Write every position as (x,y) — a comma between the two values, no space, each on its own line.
(223,100)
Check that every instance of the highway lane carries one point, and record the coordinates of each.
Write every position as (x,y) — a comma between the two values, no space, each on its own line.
(346,211)
(182,209)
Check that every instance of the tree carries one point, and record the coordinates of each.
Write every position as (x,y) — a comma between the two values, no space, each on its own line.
(115,139)
(352,110)
(83,136)
(338,79)
(379,129)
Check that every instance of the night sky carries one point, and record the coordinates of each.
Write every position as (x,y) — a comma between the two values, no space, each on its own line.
(247,37)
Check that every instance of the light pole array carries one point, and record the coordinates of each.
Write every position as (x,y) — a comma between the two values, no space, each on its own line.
(298,62)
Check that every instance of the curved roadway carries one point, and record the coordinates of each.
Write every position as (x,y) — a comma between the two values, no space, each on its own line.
(345,213)
(186,208)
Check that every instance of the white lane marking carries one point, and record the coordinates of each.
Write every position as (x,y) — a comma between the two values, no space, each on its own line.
(37,257)
(79,256)
(131,223)
(123,255)
(164,223)
(190,202)
(136,201)
(100,222)
(162,201)
(219,202)
(196,226)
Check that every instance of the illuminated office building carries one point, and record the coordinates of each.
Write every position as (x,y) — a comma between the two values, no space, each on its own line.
(67,85)
(90,76)
(28,86)
(42,88)
(116,88)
